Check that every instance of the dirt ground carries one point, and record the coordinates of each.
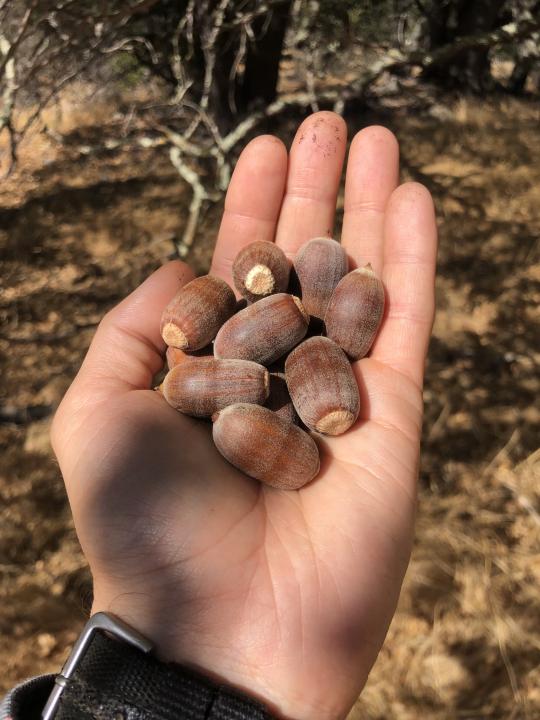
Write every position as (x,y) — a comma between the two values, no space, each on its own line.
(79,230)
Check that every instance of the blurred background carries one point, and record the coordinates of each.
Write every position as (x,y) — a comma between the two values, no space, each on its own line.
(120,123)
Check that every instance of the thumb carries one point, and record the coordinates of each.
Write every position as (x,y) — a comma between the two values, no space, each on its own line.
(127,349)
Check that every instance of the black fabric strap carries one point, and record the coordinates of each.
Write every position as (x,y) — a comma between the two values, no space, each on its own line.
(115,681)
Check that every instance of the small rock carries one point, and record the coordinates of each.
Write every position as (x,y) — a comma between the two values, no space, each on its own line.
(46,644)
(37,438)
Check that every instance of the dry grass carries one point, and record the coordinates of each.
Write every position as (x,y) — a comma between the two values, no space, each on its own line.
(465,641)
(78,231)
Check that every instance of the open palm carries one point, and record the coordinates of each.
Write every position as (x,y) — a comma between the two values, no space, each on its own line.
(285,594)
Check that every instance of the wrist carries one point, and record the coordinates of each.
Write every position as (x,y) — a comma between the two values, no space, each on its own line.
(111,669)
(176,646)
(186,644)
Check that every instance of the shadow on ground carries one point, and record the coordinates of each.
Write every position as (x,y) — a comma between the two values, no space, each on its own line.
(79,232)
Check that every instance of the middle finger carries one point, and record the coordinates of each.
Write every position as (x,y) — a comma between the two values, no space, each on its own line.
(372,176)
(315,166)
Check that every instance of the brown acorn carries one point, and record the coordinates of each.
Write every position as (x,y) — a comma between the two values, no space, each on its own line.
(319,264)
(322,386)
(355,312)
(260,269)
(264,331)
(265,446)
(195,314)
(202,386)
(174,356)
(279,399)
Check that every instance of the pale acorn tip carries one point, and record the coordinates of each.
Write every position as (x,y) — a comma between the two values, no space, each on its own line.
(335,423)
(260,280)
(366,270)
(302,309)
(174,337)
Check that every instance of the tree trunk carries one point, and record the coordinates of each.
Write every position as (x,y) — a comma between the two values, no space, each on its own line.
(261,75)
(471,69)
(438,21)
(257,84)
(230,94)
(520,73)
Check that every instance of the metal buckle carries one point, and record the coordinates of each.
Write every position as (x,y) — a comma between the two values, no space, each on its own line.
(100,621)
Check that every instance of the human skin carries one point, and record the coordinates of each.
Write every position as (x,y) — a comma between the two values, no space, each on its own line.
(286,594)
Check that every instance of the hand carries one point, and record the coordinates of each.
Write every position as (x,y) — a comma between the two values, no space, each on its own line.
(285,594)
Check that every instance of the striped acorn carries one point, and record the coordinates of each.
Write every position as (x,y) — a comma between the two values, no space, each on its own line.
(355,312)
(264,331)
(319,264)
(266,447)
(193,317)
(202,386)
(322,386)
(260,269)
(174,356)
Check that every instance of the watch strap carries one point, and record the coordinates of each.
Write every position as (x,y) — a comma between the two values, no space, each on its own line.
(115,680)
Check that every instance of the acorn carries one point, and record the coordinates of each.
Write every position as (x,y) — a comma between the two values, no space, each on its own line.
(266,447)
(319,264)
(322,386)
(260,269)
(279,399)
(174,356)
(264,331)
(355,312)
(195,314)
(202,386)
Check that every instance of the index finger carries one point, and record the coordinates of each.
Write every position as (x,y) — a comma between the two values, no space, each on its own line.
(252,203)
(127,349)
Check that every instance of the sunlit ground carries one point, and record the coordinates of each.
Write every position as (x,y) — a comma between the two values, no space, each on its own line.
(79,228)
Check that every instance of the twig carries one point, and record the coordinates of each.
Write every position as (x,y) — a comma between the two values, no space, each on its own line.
(12,46)
(8,102)
(24,415)
(200,194)
(503,452)
(210,55)
(524,502)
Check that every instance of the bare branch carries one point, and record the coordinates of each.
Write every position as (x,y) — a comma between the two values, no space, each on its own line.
(18,37)
(202,53)
(209,50)
(8,103)
(505,35)
(200,194)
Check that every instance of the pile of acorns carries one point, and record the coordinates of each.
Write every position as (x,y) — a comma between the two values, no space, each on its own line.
(255,404)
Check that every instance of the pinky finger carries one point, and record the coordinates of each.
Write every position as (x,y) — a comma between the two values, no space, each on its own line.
(410,249)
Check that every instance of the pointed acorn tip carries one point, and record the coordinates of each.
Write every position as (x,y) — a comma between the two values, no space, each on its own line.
(365,270)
